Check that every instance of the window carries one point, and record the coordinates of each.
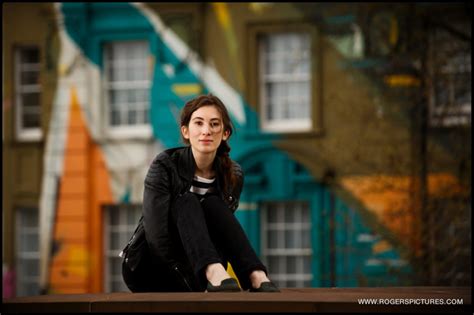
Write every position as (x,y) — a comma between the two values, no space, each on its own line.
(27,252)
(28,93)
(450,97)
(120,222)
(285,81)
(286,243)
(127,88)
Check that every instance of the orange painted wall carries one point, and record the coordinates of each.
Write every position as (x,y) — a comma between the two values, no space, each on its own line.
(77,263)
(389,198)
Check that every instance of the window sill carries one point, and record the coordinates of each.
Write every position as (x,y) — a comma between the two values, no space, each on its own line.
(34,135)
(128,133)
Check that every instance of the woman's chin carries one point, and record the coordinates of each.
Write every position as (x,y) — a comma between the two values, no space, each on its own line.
(207,148)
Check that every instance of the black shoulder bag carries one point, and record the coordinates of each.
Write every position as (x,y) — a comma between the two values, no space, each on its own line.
(136,248)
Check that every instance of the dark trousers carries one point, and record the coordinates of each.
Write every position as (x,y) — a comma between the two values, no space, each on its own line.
(209,233)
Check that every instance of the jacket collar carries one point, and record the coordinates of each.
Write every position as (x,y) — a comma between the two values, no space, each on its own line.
(187,165)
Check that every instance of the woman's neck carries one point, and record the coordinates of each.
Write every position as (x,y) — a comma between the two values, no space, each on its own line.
(204,164)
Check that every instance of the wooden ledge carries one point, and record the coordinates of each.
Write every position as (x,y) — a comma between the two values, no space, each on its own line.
(307,300)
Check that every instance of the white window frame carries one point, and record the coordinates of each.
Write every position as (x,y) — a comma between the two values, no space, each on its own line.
(22,281)
(284,125)
(141,131)
(282,252)
(24,133)
(126,230)
(447,115)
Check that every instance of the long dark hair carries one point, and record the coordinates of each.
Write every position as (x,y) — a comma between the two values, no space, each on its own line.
(223,150)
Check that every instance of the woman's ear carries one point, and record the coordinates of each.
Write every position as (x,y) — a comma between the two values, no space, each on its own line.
(225,136)
(185,132)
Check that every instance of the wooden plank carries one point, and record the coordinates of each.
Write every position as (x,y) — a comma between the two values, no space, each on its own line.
(289,301)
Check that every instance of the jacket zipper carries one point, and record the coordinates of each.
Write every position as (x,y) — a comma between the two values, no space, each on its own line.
(184,278)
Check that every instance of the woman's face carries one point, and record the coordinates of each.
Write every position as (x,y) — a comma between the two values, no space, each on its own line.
(205,130)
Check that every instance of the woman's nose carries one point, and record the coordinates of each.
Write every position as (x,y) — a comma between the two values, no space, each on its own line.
(206,129)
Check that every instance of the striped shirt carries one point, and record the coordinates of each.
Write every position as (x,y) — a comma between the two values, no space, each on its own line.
(202,186)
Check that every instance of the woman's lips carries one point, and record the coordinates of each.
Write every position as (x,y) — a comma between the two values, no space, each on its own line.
(206,141)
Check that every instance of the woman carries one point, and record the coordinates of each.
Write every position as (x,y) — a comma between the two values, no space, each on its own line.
(188,223)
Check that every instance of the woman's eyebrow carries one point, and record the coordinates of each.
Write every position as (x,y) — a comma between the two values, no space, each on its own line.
(212,119)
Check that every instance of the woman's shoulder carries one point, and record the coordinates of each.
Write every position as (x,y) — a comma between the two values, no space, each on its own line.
(163,163)
(237,169)
(167,155)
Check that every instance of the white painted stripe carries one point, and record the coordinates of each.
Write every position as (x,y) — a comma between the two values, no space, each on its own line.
(213,80)
(55,144)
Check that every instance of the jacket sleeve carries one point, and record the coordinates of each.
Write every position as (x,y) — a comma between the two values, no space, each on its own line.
(156,204)
(239,184)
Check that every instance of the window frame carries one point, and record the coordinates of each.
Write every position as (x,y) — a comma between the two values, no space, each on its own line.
(127,233)
(19,230)
(451,114)
(281,206)
(26,134)
(140,131)
(254,70)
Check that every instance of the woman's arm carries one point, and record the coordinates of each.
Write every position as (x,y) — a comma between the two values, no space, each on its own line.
(237,189)
(156,204)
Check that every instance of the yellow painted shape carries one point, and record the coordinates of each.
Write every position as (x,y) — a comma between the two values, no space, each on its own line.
(186,89)
(258,7)
(222,14)
(401,80)
(231,273)
(393,31)
(224,19)
(381,246)
(78,253)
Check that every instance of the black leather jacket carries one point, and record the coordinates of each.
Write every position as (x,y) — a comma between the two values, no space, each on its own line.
(170,175)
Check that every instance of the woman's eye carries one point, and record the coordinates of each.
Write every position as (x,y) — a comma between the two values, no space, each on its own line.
(215,125)
(199,123)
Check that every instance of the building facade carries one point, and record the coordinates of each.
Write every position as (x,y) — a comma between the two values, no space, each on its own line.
(352,128)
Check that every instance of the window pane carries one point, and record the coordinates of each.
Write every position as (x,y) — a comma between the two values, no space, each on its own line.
(132,117)
(462,91)
(29,55)
(306,264)
(29,268)
(31,112)
(291,264)
(115,118)
(274,264)
(29,77)
(146,118)
(30,99)
(29,221)
(273,239)
(118,98)
(305,238)
(29,242)
(31,121)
